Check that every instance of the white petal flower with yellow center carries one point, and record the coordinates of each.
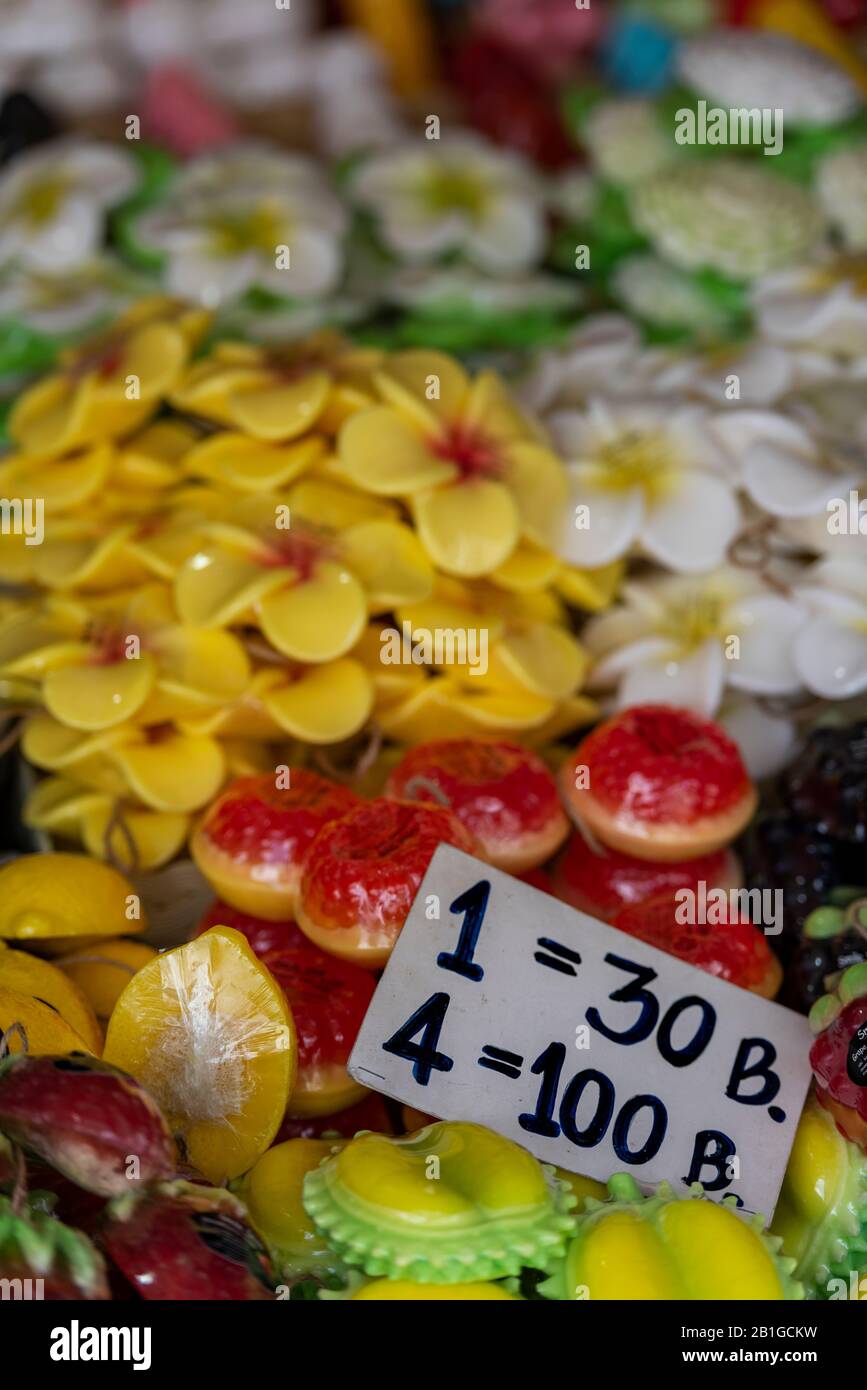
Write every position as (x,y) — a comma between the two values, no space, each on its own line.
(248,218)
(831,649)
(96,290)
(788,475)
(604,356)
(53,203)
(645,474)
(817,308)
(684,640)
(457,194)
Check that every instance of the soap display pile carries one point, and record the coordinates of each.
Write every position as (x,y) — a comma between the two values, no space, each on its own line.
(422,423)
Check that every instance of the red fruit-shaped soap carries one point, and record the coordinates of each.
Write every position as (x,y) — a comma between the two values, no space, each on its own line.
(660,783)
(53,1261)
(370,1113)
(251,844)
(262,935)
(363,872)
(839,1054)
(732,948)
(182,1242)
(86,1119)
(601,881)
(501,792)
(328,998)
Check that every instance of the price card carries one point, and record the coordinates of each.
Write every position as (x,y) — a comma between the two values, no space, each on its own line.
(598,1053)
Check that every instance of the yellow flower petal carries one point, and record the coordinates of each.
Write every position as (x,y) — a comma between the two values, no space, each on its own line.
(50,744)
(491,409)
(428,387)
(538,483)
(136,840)
(32,644)
(151,459)
(317,619)
(591,589)
(325,704)
(383,453)
(172,771)
(57,805)
(62,483)
(575,713)
(445,708)
(210,385)
(390,561)
(154,355)
(281,410)
(528,568)
(99,697)
(52,416)
(543,659)
(91,565)
(216,587)
(249,465)
(244,718)
(322,502)
(203,668)
(468,528)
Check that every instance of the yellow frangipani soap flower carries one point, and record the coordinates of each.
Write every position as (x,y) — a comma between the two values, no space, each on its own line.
(132,837)
(100,666)
(161,766)
(110,386)
(473,472)
(309,589)
(278,394)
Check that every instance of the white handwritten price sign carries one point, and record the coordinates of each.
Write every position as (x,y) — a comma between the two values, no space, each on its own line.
(598,1053)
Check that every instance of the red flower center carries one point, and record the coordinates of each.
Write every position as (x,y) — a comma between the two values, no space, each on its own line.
(473,453)
(298,550)
(108,644)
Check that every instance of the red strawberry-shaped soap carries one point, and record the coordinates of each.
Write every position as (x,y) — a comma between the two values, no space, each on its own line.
(363,872)
(87,1119)
(839,1054)
(182,1242)
(732,948)
(660,783)
(501,792)
(601,881)
(251,844)
(328,998)
(52,1261)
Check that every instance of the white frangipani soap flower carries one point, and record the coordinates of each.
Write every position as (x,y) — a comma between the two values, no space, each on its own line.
(53,203)
(457,194)
(788,475)
(50,304)
(625,140)
(683,640)
(819,308)
(646,474)
(830,651)
(604,356)
(248,217)
(737,68)
(841,180)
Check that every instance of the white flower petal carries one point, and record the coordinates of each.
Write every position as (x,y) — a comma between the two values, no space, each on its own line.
(790,484)
(766,741)
(691,530)
(614,521)
(695,682)
(766,626)
(510,237)
(832,659)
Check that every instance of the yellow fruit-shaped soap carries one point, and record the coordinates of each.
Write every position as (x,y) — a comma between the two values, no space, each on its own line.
(666,1247)
(207,1030)
(821,1215)
(46,898)
(103,970)
(29,975)
(28,1025)
(272,1193)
